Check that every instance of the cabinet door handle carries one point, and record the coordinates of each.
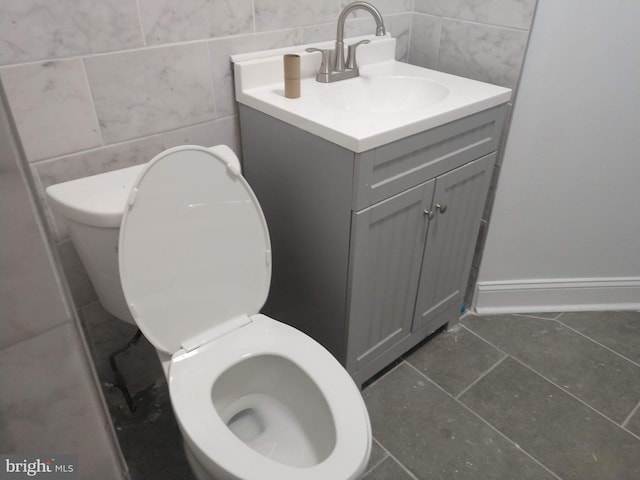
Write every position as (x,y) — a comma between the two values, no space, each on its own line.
(441,208)
(429,214)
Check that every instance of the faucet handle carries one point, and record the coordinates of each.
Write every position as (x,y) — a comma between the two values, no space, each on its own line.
(325,64)
(351,54)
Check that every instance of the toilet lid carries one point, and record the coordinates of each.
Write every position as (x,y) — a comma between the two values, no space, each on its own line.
(194,248)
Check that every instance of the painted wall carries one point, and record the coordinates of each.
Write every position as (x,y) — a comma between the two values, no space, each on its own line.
(49,402)
(565,228)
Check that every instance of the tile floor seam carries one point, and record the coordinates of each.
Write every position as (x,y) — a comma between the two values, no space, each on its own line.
(489,424)
(487,341)
(400,361)
(533,315)
(379,462)
(595,341)
(559,387)
(390,455)
(482,375)
(633,412)
(43,332)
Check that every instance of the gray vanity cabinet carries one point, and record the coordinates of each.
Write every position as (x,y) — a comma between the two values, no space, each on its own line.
(371,251)
(410,260)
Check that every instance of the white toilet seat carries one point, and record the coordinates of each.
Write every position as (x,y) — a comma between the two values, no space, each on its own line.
(191,379)
(194,249)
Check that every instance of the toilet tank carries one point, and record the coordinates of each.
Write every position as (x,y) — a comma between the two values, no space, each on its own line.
(92,207)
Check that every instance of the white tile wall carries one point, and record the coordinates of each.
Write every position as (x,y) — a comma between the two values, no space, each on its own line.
(480,39)
(425,31)
(49,403)
(165,21)
(221,49)
(505,13)
(52,108)
(142,92)
(385,6)
(46,29)
(483,52)
(274,14)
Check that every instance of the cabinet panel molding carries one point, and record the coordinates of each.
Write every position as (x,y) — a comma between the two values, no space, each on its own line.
(403,164)
(387,243)
(451,239)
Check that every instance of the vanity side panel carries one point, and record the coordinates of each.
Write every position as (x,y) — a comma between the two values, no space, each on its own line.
(405,163)
(304,185)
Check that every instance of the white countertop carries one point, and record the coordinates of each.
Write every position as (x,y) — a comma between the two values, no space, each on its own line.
(259,83)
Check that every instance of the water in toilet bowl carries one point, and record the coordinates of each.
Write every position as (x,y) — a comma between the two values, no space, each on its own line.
(266,425)
(276,410)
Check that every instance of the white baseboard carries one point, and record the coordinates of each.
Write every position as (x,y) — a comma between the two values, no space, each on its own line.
(558,295)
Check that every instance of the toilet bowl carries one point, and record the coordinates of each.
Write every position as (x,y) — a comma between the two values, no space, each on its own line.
(254,398)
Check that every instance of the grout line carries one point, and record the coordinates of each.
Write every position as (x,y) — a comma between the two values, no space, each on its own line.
(142,32)
(212,86)
(480,377)
(253,15)
(94,109)
(490,425)
(626,420)
(437,48)
(474,22)
(390,455)
(596,342)
(379,462)
(533,315)
(558,386)
(400,361)
(140,48)
(131,140)
(67,321)
(409,41)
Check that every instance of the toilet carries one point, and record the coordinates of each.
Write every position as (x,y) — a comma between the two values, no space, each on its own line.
(254,397)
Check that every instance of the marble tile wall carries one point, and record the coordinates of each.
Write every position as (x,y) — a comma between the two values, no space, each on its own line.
(94,88)
(50,401)
(480,39)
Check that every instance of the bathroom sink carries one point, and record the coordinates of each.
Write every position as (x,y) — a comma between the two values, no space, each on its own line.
(390,100)
(383,94)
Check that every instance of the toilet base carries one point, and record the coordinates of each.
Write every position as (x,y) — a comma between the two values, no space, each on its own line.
(198,470)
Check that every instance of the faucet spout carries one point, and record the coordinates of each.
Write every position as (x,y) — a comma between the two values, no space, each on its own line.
(339,65)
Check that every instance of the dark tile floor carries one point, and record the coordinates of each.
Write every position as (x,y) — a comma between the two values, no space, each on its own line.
(514,396)
(541,396)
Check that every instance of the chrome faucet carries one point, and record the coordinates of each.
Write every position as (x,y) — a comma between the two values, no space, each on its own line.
(333,66)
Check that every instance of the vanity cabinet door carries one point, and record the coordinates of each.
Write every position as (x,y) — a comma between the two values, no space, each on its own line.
(386,249)
(458,203)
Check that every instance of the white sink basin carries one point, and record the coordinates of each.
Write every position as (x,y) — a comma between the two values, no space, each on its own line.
(390,100)
(384,94)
